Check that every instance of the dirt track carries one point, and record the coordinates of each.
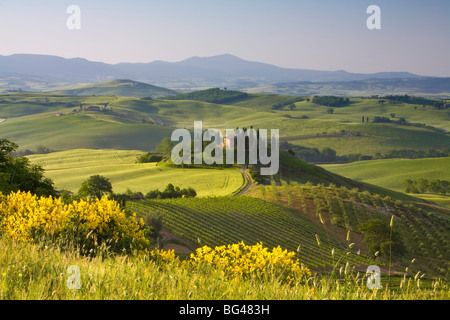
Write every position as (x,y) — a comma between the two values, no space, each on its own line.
(248,183)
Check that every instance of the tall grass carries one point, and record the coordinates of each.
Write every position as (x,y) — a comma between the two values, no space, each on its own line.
(40,272)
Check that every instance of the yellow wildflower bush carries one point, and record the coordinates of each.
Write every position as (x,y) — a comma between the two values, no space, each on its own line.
(86,223)
(163,256)
(241,260)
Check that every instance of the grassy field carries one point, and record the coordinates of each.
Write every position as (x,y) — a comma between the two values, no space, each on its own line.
(69,169)
(136,124)
(390,173)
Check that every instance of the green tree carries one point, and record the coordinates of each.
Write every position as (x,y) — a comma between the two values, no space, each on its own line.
(422,185)
(329,154)
(95,187)
(435,186)
(410,186)
(165,146)
(379,238)
(153,220)
(445,186)
(149,158)
(18,174)
(6,148)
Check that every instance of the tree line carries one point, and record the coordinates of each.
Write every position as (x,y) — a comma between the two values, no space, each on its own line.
(435,186)
(328,155)
(397,99)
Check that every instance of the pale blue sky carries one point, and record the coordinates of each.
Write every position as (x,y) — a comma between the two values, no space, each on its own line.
(309,34)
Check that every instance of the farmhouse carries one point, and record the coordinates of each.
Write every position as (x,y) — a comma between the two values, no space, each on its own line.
(230,141)
(92,108)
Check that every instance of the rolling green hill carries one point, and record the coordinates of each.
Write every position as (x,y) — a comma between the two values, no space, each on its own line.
(139,124)
(390,173)
(66,123)
(126,88)
(82,131)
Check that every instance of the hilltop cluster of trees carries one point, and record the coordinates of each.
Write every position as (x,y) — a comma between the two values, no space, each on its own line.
(213,95)
(331,101)
(436,186)
(397,99)
(440,106)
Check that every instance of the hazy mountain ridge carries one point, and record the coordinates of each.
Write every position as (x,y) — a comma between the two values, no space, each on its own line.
(36,72)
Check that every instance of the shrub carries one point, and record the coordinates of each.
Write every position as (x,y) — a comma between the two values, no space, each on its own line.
(86,223)
(256,176)
(149,157)
(245,261)
(171,192)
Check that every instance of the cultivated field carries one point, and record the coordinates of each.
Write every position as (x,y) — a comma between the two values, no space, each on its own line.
(70,168)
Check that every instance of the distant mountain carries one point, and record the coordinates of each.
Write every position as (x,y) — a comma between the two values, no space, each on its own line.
(126,88)
(75,69)
(236,73)
(232,65)
(35,72)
